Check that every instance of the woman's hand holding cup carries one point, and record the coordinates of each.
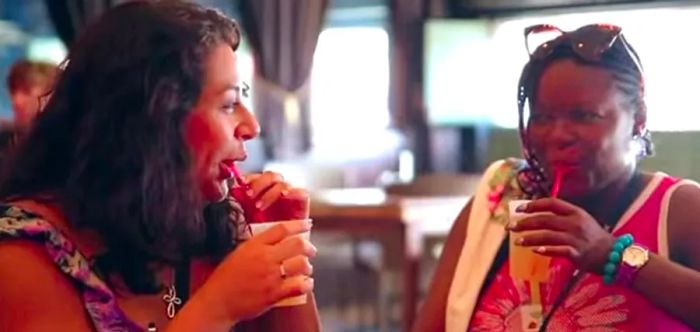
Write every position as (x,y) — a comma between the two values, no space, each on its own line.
(267,268)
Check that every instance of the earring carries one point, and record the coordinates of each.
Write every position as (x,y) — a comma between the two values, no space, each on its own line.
(638,143)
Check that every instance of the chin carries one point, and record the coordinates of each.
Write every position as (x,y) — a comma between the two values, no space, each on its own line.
(576,191)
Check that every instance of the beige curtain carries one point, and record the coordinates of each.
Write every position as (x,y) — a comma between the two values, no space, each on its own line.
(283,36)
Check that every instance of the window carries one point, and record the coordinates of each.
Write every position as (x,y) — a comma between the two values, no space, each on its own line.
(50,49)
(349,89)
(669,57)
(663,37)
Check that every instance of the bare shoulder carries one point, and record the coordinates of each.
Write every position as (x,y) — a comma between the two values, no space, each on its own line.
(684,224)
(684,207)
(39,295)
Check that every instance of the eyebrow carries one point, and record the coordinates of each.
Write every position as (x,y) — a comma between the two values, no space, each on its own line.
(240,87)
(229,87)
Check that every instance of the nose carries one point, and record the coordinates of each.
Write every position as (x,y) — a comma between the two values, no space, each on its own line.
(248,127)
(562,133)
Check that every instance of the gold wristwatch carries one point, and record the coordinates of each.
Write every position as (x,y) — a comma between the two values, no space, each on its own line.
(634,258)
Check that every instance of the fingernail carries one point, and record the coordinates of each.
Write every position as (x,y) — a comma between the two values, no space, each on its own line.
(258,205)
(285,192)
(541,250)
(521,208)
(511,225)
(520,241)
(249,193)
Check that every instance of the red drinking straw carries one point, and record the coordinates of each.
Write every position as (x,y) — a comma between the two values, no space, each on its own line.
(246,187)
(238,177)
(558,176)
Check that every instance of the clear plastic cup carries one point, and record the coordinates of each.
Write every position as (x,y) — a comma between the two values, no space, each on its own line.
(259,227)
(525,264)
(529,266)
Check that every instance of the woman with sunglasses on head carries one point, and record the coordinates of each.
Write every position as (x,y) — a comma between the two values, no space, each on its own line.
(623,243)
(115,211)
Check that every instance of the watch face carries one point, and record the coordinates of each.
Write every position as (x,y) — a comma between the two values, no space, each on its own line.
(635,256)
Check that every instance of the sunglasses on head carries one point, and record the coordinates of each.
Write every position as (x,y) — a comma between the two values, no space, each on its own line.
(589,42)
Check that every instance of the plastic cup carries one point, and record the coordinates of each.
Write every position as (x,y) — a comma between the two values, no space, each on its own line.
(257,228)
(284,209)
(525,264)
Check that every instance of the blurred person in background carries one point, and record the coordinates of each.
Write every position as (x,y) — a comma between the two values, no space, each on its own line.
(28,83)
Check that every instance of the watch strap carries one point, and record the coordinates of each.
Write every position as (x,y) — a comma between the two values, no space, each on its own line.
(627,273)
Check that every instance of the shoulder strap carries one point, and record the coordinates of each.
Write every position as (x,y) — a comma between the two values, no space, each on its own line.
(485,234)
(98,299)
(509,181)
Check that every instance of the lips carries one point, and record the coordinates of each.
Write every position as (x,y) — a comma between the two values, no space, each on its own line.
(225,171)
(227,167)
(229,163)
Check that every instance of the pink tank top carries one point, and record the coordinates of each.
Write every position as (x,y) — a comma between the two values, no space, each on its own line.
(590,305)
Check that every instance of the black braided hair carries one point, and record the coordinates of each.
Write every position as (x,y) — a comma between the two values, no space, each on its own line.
(620,60)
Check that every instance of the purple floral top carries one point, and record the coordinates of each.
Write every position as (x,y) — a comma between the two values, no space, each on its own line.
(99,300)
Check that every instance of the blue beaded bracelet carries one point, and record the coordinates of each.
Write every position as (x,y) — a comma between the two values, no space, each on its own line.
(615,256)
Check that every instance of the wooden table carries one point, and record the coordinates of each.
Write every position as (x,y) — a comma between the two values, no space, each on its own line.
(408,220)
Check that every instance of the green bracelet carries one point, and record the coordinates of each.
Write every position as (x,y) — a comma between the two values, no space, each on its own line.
(615,257)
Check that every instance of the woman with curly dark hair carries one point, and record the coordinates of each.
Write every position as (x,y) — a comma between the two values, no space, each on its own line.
(116,202)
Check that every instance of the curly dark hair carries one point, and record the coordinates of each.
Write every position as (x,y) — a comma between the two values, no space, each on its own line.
(109,147)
